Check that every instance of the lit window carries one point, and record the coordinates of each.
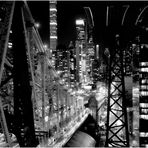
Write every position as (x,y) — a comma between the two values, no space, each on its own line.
(144,93)
(53,23)
(144,87)
(144,105)
(53,37)
(80,22)
(144,111)
(53,9)
(143,134)
(144,69)
(144,117)
(144,64)
(144,81)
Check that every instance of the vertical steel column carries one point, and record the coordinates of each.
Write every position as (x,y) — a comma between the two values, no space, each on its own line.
(77,61)
(117,126)
(4,38)
(69,102)
(58,98)
(29,43)
(4,125)
(66,103)
(43,68)
(62,106)
(23,111)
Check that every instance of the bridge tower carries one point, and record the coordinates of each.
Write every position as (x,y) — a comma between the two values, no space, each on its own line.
(117,126)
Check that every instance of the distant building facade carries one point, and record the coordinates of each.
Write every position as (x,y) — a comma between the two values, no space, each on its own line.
(53,29)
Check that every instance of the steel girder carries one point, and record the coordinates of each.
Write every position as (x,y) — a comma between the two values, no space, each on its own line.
(116,126)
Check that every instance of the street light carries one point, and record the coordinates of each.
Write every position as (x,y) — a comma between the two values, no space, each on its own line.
(45,46)
(37,25)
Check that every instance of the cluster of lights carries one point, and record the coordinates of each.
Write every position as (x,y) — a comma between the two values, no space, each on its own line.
(37,25)
(10,45)
(53,9)
(53,28)
(53,37)
(143,97)
(53,23)
(80,22)
(45,46)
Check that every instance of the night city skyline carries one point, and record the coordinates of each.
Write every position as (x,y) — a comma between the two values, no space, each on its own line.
(73,73)
(69,11)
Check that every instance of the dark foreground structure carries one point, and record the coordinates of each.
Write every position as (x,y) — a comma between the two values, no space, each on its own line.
(86,135)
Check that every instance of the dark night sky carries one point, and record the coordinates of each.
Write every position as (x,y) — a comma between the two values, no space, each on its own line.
(68,11)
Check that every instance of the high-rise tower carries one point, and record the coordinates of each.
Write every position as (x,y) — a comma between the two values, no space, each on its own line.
(143,103)
(81,48)
(53,29)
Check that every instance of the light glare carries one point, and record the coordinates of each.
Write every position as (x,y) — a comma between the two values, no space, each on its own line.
(80,22)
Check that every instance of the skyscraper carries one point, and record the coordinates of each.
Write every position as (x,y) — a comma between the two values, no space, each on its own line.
(53,29)
(62,62)
(90,52)
(72,65)
(81,49)
(143,130)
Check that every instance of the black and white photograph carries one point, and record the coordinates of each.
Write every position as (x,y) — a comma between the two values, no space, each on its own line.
(73,73)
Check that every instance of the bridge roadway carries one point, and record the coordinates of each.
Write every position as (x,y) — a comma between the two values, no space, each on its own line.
(73,126)
(82,126)
(63,136)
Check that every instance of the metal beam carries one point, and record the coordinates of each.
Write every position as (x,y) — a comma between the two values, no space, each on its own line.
(4,38)
(117,126)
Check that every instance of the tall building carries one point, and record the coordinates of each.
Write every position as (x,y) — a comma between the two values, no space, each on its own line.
(53,29)
(127,60)
(81,30)
(62,61)
(81,50)
(90,57)
(96,71)
(143,99)
(59,57)
(72,65)
(90,48)
(66,66)
(96,66)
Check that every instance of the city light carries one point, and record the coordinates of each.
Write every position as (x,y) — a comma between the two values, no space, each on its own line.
(53,37)
(45,46)
(10,45)
(37,25)
(53,9)
(80,22)
(53,23)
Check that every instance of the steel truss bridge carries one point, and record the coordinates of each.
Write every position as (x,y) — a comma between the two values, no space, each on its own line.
(35,105)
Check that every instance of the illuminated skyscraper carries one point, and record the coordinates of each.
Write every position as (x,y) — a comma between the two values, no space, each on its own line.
(59,58)
(81,46)
(53,29)
(72,65)
(143,99)
(90,52)
(81,33)
(62,62)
